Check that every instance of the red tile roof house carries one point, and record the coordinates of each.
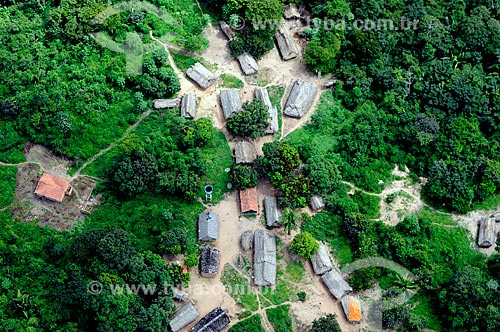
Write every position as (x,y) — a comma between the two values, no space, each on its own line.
(248,201)
(53,188)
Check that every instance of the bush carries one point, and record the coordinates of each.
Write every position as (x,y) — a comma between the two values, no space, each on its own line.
(173,241)
(304,245)
(280,318)
(302,296)
(243,177)
(326,323)
(251,121)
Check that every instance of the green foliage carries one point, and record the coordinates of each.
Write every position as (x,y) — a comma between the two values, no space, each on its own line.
(173,241)
(321,53)
(243,177)
(252,324)
(280,319)
(304,245)
(230,81)
(192,260)
(324,174)
(158,79)
(251,121)
(327,323)
(7,185)
(302,296)
(239,288)
(288,220)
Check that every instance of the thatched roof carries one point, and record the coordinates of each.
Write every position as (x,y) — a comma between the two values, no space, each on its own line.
(273,213)
(496,216)
(188,106)
(230,102)
(226,29)
(286,45)
(201,75)
(337,286)
(248,201)
(317,203)
(244,152)
(321,262)
(487,233)
(166,103)
(264,258)
(214,321)
(246,240)
(300,99)
(179,295)
(183,317)
(262,95)
(352,308)
(208,226)
(52,187)
(291,11)
(248,64)
(209,262)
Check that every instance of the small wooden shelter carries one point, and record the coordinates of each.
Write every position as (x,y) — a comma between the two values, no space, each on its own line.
(263,95)
(273,213)
(188,106)
(209,262)
(183,317)
(264,258)
(226,29)
(230,102)
(487,232)
(201,75)
(244,153)
(208,226)
(246,240)
(352,308)
(248,64)
(248,201)
(166,103)
(286,44)
(317,203)
(214,321)
(335,283)
(321,262)
(300,99)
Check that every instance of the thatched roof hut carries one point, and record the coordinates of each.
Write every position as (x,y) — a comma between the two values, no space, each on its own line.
(273,213)
(183,317)
(300,99)
(166,103)
(352,308)
(209,262)
(487,232)
(263,95)
(286,45)
(496,216)
(321,262)
(201,75)
(317,203)
(208,226)
(292,11)
(214,321)
(246,240)
(248,64)
(179,295)
(188,106)
(226,29)
(264,258)
(248,201)
(230,102)
(337,286)
(244,152)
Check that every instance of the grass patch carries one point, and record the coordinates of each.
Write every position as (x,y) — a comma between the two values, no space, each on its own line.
(369,205)
(280,318)
(425,309)
(184,61)
(295,271)
(230,81)
(239,288)
(434,217)
(252,324)
(7,185)
(282,292)
(490,203)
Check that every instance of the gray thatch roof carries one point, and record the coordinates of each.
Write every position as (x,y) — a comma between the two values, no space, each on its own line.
(248,64)
(273,213)
(209,262)
(321,262)
(179,295)
(264,258)
(496,216)
(487,233)
(166,103)
(208,226)
(317,203)
(262,95)
(230,102)
(214,321)
(352,308)
(246,240)
(188,106)
(286,45)
(337,286)
(300,99)
(183,317)
(201,75)
(291,11)
(244,152)
(226,29)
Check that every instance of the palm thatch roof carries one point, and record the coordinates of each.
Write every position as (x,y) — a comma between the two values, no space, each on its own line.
(188,106)
(246,240)
(286,44)
(487,232)
(317,203)
(244,152)
(496,216)
(183,317)
(291,11)
(226,29)
(263,95)
(321,262)
(352,308)
(230,102)
(248,64)
(300,99)
(264,258)
(201,75)
(337,286)
(209,262)
(273,213)
(214,321)
(208,226)
(166,103)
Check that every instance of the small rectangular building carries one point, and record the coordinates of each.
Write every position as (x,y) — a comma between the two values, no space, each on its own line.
(321,262)
(201,75)
(286,44)
(183,317)
(166,103)
(351,306)
(209,262)
(273,213)
(246,240)
(248,64)
(248,201)
(244,153)
(226,29)
(486,233)
(208,226)
(336,284)
(230,102)
(263,95)
(214,321)
(188,106)
(264,258)
(300,99)
(53,188)
(317,203)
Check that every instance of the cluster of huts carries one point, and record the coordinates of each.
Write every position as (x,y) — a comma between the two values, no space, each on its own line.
(264,255)
(487,230)
(214,321)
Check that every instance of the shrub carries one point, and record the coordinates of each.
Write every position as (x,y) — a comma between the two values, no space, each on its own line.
(327,323)
(251,121)
(302,296)
(304,245)
(243,177)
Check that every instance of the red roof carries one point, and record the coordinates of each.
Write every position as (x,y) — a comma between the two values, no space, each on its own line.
(52,187)
(248,200)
